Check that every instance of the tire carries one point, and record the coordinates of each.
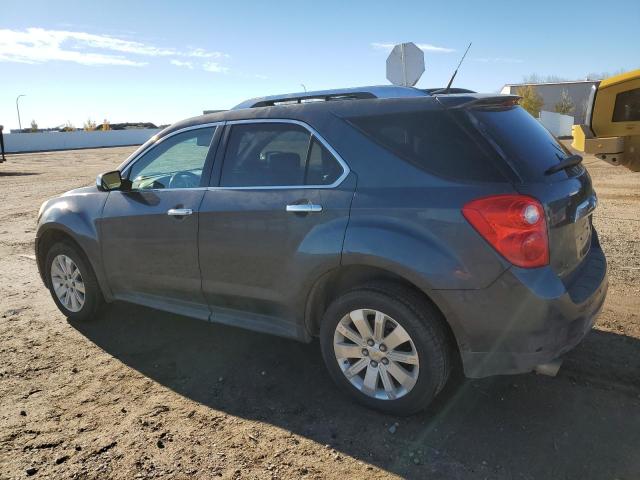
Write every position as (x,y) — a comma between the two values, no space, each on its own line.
(93,301)
(423,324)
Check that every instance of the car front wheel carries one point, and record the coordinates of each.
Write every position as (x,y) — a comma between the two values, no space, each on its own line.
(72,283)
(385,345)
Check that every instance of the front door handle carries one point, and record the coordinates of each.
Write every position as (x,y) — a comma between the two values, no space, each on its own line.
(179,212)
(304,208)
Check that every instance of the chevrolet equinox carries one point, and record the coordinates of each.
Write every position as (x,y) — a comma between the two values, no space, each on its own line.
(407,229)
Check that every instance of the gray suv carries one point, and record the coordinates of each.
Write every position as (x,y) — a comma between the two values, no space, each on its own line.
(408,230)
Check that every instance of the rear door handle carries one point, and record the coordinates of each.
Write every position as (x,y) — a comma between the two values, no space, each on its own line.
(304,208)
(179,212)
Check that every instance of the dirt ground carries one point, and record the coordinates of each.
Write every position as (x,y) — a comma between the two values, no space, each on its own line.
(146,394)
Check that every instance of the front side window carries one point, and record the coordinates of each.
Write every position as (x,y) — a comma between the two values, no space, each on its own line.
(276,154)
(177,162)
(627,107)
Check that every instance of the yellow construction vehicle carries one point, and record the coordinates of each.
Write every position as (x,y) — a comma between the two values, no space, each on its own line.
(612,132)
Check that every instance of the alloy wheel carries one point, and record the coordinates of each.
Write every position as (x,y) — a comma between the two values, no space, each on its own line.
(67,283)
(376,354)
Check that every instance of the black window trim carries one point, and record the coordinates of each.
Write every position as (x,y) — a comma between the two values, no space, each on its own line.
(313,135)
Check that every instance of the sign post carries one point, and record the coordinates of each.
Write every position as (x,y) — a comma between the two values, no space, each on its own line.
(2,159)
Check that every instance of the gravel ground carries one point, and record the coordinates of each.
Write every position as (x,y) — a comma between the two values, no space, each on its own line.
(141,393)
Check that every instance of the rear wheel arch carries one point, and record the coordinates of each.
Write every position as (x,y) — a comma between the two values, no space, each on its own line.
(347,278)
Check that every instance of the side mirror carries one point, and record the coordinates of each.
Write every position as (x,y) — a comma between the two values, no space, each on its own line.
(109,181)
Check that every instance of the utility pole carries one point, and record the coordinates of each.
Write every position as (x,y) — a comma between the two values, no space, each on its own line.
(18,109)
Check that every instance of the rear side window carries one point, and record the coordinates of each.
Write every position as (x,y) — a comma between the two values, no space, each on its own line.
(528,147)
(322,167)
(434,141)
(276,154)
(627,107)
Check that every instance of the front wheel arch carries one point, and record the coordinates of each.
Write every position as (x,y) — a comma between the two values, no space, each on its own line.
(47,240)
(48,236)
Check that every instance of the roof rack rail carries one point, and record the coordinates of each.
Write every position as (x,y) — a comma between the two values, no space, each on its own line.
(314,98)
(382,91)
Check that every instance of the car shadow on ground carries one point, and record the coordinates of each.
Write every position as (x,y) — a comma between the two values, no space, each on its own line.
(17,174)
(577,425)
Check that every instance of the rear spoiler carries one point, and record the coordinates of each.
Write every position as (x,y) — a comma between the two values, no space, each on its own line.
(489,101)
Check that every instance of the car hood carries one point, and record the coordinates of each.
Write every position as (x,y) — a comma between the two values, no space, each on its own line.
(82,190)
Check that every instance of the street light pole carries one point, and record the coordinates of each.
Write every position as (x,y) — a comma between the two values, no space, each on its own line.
(18,109)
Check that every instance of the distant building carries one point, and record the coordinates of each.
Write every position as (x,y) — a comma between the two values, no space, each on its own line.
(551,92)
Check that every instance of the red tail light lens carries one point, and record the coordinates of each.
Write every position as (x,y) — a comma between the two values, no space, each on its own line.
(514,225)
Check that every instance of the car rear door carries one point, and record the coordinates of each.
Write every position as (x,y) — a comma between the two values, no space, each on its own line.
(272,223)
(149,232)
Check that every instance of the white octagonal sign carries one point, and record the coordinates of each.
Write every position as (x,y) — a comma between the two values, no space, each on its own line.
(405,64)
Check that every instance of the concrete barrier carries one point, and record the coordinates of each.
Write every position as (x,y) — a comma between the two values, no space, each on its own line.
(558,124)
(45,141)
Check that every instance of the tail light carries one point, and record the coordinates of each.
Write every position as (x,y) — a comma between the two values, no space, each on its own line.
(514,225)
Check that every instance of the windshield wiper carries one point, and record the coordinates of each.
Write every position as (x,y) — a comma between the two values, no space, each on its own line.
(567,162)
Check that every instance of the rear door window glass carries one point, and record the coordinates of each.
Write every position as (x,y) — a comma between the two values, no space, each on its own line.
(265,154)
(276,154)
(322,167)
(434,141)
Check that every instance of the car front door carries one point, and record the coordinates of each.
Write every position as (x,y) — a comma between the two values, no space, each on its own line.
(272,223)
(149,232)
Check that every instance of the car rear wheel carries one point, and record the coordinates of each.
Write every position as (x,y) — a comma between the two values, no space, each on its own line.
(72,283)
(385,346)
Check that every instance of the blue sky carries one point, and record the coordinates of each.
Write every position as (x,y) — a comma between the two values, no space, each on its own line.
(147,61)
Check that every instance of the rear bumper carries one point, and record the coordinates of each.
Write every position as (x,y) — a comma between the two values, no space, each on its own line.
(527,317)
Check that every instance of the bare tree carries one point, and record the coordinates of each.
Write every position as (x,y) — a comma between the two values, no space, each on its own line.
(565,105)
(89,125)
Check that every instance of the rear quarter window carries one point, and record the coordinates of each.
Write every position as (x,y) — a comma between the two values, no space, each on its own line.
(433,141)
(529,148)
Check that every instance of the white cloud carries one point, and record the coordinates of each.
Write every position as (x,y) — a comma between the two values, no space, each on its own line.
(201,53)
(38,45)
(498,60)
(427,47)
(180,63)
(214,67)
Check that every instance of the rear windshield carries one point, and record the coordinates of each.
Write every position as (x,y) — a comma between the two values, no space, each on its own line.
(433,141)
(528,147)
